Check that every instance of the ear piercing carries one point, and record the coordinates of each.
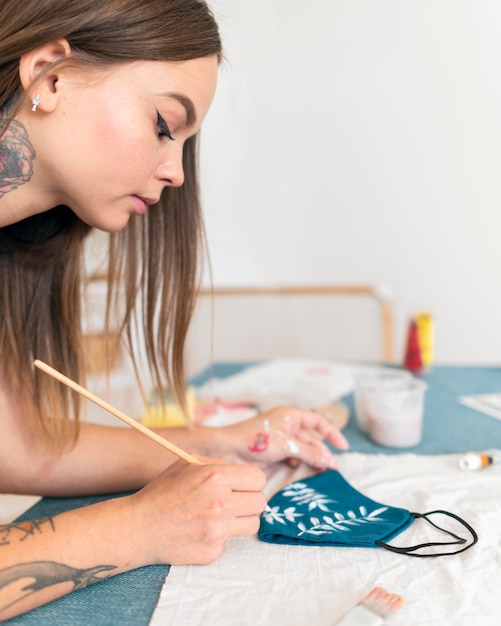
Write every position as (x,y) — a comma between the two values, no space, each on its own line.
(35,102)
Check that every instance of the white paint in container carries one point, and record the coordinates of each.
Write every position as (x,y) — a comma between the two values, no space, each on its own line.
(395,414)
(375,378)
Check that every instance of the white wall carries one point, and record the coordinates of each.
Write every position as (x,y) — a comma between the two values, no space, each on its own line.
(360,141)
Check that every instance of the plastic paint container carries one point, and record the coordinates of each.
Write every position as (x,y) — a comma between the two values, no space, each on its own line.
(395,415)
(375,379)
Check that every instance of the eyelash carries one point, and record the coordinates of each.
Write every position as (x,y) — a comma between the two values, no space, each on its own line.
(162,128)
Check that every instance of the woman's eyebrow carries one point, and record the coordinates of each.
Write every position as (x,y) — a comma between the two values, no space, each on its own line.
(191,115)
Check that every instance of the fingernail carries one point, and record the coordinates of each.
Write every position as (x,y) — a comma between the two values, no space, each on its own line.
(343,443)
(328,461)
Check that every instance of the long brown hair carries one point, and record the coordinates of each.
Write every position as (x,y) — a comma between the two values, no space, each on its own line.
(153,261)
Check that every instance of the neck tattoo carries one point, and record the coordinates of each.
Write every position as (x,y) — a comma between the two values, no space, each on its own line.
(16,157)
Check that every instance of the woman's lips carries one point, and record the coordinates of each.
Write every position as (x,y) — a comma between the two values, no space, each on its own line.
(141,203)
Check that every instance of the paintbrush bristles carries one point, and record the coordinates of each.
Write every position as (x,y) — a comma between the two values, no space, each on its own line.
(373,609)
(116,412)
(381,602)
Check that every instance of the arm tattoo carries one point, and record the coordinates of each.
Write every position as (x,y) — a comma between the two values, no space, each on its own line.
(42,574)
(260,443)
(16,157)
(39,575)
(20,531)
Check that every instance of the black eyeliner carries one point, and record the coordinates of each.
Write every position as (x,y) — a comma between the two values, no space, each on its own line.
(163,128)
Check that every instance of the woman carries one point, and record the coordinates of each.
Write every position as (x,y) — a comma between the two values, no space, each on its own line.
(100,106)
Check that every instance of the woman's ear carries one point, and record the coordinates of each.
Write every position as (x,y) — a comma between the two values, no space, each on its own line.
(33,63)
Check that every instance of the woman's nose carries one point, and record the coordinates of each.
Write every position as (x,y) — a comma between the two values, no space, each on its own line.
(170,171)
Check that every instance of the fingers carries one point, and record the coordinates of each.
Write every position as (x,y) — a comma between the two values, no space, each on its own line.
(187,513)
(312,451)
(293,420)
(249,503)
(337,439)
(307,436)
(303,434)
(249,507)
(246,526)
(315,421)
(237,499)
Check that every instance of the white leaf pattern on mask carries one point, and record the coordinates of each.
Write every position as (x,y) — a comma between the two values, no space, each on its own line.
(303,495)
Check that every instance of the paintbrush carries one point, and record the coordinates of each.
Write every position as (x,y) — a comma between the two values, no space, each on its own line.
(372,609)
(117,413)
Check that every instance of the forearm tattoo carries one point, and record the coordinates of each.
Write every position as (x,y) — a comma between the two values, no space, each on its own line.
(16,156)
(38,575)
(20,531)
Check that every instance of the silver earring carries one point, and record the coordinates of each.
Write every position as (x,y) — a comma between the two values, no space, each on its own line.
(35,102)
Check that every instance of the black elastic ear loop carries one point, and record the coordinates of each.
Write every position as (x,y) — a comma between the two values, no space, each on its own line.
(460,540)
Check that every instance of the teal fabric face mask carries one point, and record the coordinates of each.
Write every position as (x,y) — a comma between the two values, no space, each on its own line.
(326,510)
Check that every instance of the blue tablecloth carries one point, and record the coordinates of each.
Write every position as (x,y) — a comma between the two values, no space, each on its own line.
(130,598)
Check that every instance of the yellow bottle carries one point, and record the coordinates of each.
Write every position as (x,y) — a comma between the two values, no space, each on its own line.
(426,333)
(168,413)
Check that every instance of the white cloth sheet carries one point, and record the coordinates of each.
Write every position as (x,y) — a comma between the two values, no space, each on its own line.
(255,583)
(487,403)
(300,382)
(12,505)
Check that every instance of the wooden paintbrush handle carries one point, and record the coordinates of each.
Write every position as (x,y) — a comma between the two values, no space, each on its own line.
(111,409)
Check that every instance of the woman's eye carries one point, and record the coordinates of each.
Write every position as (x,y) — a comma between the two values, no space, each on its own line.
(162,128)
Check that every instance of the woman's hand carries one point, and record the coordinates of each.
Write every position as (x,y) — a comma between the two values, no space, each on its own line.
(186,515)
(183,516)
(284,433)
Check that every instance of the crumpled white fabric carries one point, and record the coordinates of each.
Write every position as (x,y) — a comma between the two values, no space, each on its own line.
(255,583)
(300,382)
